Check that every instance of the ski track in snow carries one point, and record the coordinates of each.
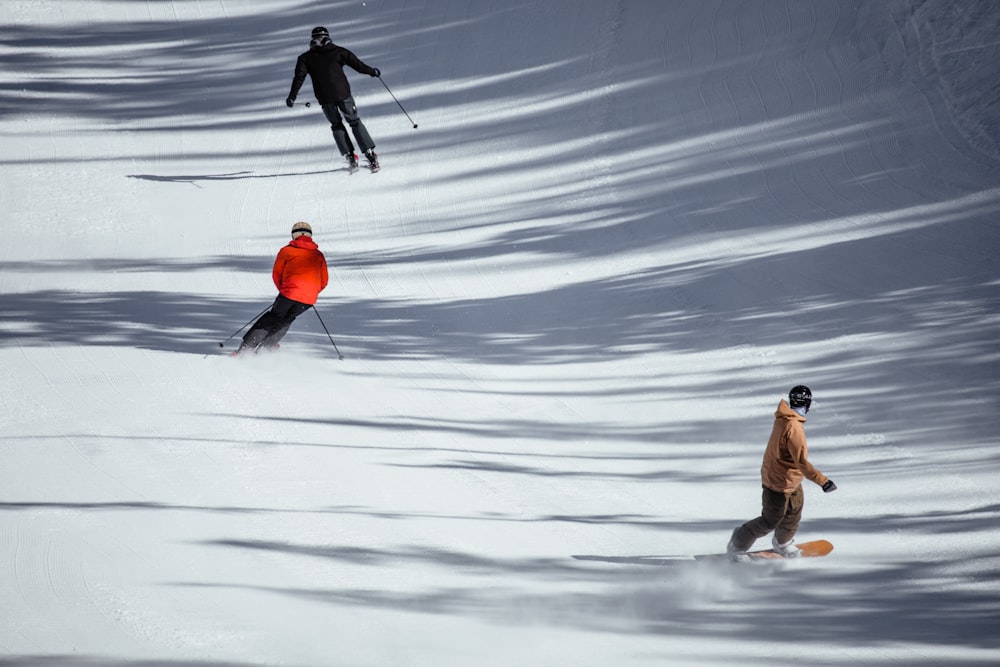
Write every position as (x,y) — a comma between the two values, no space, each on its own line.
(568,305)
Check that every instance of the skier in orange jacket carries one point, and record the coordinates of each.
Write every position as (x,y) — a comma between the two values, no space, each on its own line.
(300,274)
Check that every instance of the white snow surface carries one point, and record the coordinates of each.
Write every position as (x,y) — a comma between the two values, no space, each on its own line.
(568,305)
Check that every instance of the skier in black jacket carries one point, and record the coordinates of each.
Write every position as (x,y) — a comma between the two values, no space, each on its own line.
(324,63)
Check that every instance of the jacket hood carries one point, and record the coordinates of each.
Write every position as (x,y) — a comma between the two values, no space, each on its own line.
(304,242)
(785,411)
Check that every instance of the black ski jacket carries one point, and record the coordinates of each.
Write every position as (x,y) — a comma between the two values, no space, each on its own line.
(325,67)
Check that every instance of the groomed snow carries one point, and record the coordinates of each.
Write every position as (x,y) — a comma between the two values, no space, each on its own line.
(569,304)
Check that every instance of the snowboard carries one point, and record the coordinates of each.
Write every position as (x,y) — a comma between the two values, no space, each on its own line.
(809,550)
(813,549)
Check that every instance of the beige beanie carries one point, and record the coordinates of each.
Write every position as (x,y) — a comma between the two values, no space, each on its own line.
(300,228)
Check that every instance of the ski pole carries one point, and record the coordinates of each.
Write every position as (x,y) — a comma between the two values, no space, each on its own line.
(397,102)
(339,355)
(223,343)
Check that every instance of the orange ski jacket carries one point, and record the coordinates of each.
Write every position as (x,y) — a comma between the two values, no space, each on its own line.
(300,271)
(786,459)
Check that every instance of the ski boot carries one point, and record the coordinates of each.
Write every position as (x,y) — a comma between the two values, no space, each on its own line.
(372,160)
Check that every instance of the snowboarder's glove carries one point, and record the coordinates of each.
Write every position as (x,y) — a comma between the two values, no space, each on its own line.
(376,72)
(289,102)
(829,486)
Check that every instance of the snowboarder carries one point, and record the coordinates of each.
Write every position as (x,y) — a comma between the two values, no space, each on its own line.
(786,463)
(324,63)
(300,274)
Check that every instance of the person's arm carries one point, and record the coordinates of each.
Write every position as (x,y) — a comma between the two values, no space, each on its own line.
(324,276)
(278,270)
(297,80)
(798,451)
(355,63)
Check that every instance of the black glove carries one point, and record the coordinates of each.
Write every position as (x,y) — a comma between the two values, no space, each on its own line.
(376,72)
(829,486)
(289,102)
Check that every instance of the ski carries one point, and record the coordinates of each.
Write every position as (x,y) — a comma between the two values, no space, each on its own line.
(353,165)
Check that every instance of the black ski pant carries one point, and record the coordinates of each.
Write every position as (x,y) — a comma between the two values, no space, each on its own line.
(349,111)
(780,512)
(272,326)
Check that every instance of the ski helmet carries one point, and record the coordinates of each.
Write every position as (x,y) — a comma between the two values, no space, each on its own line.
(320,37)
(300,228)
(800,397)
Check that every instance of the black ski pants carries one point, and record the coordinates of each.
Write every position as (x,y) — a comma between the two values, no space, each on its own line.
(272,326)
(349,111)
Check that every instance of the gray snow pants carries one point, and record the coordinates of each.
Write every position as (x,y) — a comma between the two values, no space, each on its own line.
(349,111)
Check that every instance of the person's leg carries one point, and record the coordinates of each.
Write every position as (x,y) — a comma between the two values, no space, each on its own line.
(350,112)
(786,528)
(265,324)
(332,114)
(773,507)
(278,332)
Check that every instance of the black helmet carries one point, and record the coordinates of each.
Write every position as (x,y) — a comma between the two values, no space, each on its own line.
(320,38)
(800,397)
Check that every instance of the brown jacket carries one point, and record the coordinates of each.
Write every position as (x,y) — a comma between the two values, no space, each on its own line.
(786,459)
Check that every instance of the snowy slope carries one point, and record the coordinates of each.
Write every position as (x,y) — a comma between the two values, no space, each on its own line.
(569,304)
